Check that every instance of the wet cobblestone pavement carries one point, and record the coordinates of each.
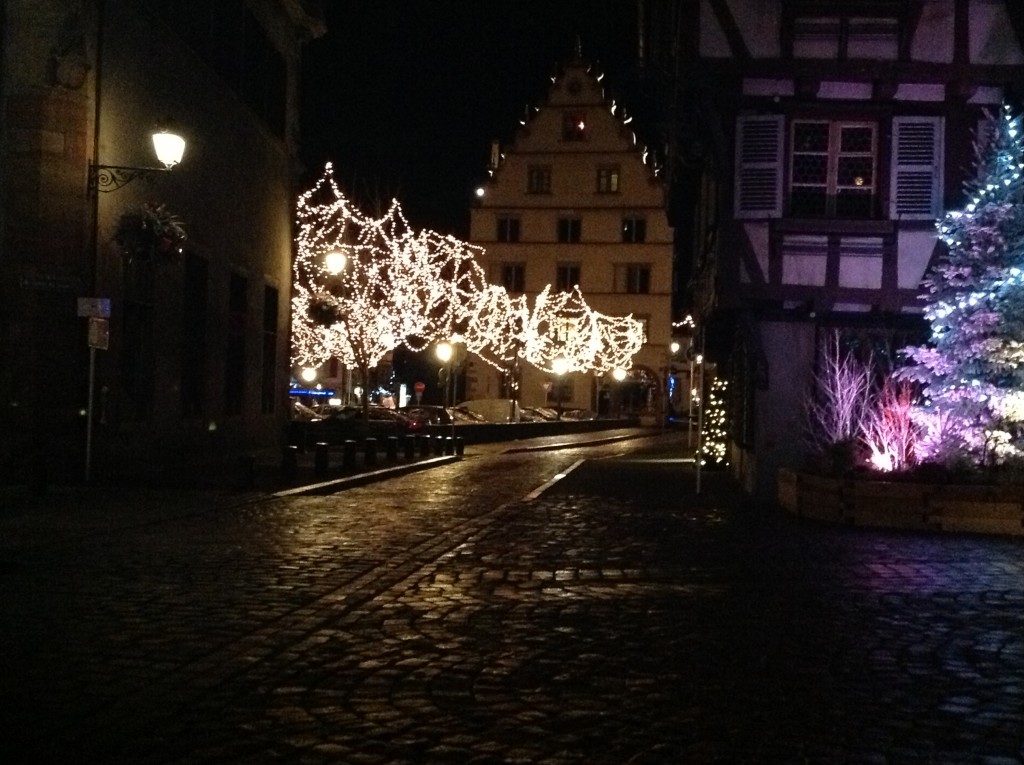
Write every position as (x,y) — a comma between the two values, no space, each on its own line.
(442,617)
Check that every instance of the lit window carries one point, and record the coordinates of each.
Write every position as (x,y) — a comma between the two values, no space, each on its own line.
(538,180)
(634,229)
(574,126)
(607,180)
(569,230)
(832,169)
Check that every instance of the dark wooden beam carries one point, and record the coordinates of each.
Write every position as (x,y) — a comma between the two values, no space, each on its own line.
(737,44)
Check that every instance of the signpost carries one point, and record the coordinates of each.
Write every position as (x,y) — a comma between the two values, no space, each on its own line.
(97,311)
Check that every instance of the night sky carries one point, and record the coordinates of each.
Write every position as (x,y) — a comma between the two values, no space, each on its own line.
(405,96)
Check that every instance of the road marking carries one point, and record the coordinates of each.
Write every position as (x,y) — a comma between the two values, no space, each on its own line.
(545,486)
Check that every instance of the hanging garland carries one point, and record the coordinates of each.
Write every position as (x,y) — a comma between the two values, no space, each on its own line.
(152,229)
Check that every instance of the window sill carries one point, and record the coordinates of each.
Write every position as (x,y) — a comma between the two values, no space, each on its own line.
(877,226)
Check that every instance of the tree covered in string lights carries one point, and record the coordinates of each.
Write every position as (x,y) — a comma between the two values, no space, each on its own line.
(972,369)
(365,285)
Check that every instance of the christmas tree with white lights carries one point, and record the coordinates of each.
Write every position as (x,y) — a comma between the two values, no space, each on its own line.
(973,368)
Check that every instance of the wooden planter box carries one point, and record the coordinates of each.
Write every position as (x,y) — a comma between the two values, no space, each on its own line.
(914,506)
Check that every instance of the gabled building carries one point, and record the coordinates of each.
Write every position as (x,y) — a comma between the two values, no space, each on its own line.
(123,346)
(574,200)
(812,147)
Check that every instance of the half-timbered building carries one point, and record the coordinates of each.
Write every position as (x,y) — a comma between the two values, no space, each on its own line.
(813,146)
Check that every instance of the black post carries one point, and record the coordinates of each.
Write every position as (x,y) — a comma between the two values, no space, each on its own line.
(320,458)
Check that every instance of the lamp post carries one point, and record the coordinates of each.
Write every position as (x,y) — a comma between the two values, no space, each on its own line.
(169,149)
(673,349)
(560,365)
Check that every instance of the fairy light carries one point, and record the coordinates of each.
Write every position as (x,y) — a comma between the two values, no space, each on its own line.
(714,437)
(364,285)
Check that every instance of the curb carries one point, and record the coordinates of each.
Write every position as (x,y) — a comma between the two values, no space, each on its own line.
(340,484)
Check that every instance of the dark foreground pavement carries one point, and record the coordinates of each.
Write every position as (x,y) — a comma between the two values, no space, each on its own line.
(460,615)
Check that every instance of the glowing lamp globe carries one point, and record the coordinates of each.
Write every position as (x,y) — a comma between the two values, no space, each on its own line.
(169,148)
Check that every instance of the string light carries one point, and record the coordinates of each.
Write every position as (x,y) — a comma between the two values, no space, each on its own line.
(365,285)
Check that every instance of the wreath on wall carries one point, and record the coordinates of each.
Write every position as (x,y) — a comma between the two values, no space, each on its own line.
(149,231)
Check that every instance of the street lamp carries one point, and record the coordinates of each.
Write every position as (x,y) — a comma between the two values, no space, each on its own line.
(559,365)
(445,351)
(169,149)
(335,262)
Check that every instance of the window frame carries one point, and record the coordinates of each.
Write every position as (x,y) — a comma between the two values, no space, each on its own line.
(574,125)
(609,179)
(507,229)
(513,276)
(569,229)
(634,229)
(633,278)
(538,179)
(565,280)
(834,155)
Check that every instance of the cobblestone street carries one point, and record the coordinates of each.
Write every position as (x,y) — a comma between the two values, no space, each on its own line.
(459,616)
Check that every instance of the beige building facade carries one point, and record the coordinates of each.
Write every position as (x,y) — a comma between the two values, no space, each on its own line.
(574,200)
(189,362)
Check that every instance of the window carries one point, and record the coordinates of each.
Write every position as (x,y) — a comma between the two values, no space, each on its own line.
(268,390)
(633,278)
(538,180)
(574,126)
(234,357)
(193,336)
(569,230)
(845,37)
(508,229)
(832,169)
(567,276)
(634,229)
(608,180)
(513,277)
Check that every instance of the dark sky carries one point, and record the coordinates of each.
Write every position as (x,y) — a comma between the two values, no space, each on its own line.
(405,96)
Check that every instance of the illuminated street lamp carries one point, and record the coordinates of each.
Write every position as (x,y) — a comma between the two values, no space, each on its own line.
(335,262)
(169,149)
(445,351)
(559,365)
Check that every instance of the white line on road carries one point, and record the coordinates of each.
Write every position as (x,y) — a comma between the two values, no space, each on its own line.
(545,486)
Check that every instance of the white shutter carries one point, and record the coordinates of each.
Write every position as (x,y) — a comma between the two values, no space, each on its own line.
(759,166)
(915,189)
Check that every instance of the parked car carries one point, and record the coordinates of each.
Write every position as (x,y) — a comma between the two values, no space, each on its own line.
(341,423)
(493,409)
(422,415)
(461,414)
(537,414)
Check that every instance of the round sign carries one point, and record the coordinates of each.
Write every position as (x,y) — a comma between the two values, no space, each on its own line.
(419,387)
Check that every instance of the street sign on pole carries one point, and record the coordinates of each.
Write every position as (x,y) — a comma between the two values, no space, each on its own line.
(99,333)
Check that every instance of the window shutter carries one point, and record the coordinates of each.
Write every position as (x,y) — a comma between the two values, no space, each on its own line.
(759,167)
(915,191)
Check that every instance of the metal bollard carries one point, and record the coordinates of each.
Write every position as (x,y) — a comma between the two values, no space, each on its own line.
(449,445)
(438,445)
(424,442)
(391,448)
(320,458)
(349,454)
(290,462)
(370,451)
(410,447)
(460,445)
